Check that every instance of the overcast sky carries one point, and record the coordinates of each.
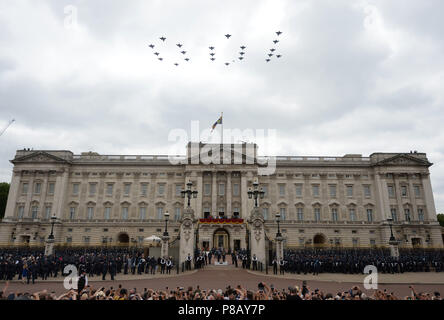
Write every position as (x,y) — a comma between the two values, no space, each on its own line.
(354,76)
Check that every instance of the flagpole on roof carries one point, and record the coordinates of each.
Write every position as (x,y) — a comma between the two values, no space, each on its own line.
(222,123)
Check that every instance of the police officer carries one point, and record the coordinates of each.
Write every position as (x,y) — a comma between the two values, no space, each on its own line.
(169,265)
(254,259)
(274,264)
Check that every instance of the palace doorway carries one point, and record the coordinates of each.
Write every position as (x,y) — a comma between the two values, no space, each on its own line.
(221,239)
(319,240)
(123,239)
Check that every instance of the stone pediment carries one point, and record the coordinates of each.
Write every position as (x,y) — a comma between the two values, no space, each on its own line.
(403,160)
(39,157)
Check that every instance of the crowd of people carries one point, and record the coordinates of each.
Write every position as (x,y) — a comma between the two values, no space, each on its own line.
(31,264)
(263,292)
(353,261)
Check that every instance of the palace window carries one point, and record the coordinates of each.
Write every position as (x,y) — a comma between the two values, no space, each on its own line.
(126,189)
(334,214)
(25,188)
(144,189)
(207,212)
(51,188)
(236,213)
(90,213)
(265,213)
(37,187)
(420,214)
(391,191)
(221,212)
(109,189)
(283,213)
(265,190)
(47,212)
(159,213)
(92,189)
(124,213)
(21,211)
(300,214)
(178,190)
(317,214)
(316,191)
(207,189)
(367,192)
(142,213)
(236,189)
(352,214)
(282,190)
(107,213)
(161,189)
(370,215)
(355,242)
(349,191)
(221,189)
(75,189)
(394,214)
(404,191)
(177,214)
(298,190)
(417,191)
(407,214)
(72,213)
(34,212)
(332,191)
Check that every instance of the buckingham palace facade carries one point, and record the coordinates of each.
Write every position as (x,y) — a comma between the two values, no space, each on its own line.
(121,199)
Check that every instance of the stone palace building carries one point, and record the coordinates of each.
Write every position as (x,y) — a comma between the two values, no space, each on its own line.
(121,199)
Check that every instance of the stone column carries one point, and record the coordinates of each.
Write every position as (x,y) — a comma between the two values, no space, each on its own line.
(394,250)
(187,238)
(257,235)
(200,191)
(428,197)
(164,248)
(229,211)
(214,194)
(279,248)
(401,215)
(244,195)
(49,247)
(60,192)
(382,197)
(14,191)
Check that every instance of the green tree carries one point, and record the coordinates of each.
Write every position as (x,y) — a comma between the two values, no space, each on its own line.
(4,190)
(441,219)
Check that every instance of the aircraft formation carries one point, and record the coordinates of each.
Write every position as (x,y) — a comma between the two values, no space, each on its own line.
(241,55)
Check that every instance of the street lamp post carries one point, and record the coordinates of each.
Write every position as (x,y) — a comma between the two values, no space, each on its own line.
(394,250)
(279,240)
(189,193)
(165,237)
(53,220)
(256,193)
(278,234)
(167,216)
(49,247)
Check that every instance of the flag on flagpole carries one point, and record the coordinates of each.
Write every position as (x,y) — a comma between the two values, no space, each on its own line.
(219,121)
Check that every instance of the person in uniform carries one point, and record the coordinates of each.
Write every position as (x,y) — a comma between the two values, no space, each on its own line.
(104,265)
(188,262)
(254,259)
(274,263)
(281,266)
(169,265)
(162,265)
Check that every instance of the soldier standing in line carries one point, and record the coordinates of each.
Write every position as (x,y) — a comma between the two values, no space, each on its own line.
(104,265)
(275,268)
(188,262)
(254,259)
(162,265)
(281,266)
(169,265)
